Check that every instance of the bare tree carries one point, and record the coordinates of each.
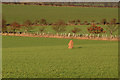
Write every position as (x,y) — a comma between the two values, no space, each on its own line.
(114,21)
(36,22)
(93,21)
(28,25)
(86,23)
(104,21)
(78,21)
(43,22)
(42,29)
(15,26)
(4,27)
(112,27)
(76,30)
(72,22)
(59,26)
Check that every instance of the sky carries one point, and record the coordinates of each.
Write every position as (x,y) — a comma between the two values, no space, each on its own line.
(60,0)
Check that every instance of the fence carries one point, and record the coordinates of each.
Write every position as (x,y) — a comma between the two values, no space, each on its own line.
(66,35)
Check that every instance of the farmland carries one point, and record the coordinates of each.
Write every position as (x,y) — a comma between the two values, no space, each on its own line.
(27,57)
(38,57)
(20,13)
(48,29)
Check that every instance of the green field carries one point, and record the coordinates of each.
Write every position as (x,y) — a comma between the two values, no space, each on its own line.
(48,29)
(21,13)
(27,57)
(30,57)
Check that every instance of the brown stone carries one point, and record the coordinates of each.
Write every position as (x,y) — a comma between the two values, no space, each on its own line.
(70,44)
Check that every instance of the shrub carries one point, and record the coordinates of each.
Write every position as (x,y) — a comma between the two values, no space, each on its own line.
(78,21)
(36,22)
(104,21)
(95,29)
(15,26)
(59,26)
(43,22)
(113,21)
(42,29)
(93,21)
(76,30)
(86,23)
(4,27)
(72,22)
(28,25)
(112,27)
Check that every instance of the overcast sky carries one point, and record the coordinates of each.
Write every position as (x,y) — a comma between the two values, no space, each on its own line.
(60,0)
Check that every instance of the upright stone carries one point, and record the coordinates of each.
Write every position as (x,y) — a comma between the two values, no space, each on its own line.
(70,44)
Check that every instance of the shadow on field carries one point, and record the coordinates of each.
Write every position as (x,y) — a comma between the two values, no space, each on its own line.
(77,47)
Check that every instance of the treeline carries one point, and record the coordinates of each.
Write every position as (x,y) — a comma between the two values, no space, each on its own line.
(44,22)
(59,26)
(77,4)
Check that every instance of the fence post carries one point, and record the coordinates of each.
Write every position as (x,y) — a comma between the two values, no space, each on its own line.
(37,33)
(40,33)
(43,33)
(68,34)
(57,34)
(73,34)
(61,34)
(106,35)
(111,36)
(98,35)
(65,34)
(90,36)
(86,35)
(93,35)
(102,36)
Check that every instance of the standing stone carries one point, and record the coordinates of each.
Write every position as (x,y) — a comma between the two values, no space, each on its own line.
(70,44)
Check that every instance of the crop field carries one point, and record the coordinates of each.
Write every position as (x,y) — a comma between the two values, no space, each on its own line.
(35,57)
(28,57)
(20,13)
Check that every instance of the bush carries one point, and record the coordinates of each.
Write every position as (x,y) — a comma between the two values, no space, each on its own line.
(4,27)
(43,22)
(76,30)
(59,26)
(28,25)
(104,21)
(95,29)
(15,26)
(42,29)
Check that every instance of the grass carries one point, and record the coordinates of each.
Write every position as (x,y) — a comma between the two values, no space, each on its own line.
(48,29)
(27,57)
(20,13)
